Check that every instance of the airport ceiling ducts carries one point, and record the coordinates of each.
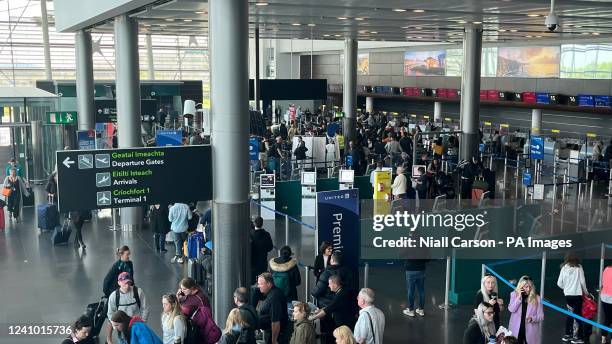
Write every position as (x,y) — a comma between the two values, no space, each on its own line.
(379,20)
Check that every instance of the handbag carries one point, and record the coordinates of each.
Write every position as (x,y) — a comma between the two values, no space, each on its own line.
(589,306)
(7,191)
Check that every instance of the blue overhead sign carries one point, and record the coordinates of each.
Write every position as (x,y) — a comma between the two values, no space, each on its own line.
(165,138)
(536,148)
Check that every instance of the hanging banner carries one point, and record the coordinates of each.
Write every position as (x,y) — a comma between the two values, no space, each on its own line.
(338,223)
(165,138)
(254,148)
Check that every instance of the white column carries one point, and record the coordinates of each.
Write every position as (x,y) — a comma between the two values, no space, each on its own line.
(369,104)
(437,112)
(536,121)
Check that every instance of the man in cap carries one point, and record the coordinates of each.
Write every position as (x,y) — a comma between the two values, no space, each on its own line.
(127,298)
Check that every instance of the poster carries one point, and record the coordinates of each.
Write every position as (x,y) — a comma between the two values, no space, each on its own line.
(363,64)
(424,63)
(338,223)
(528,62)
(86,139)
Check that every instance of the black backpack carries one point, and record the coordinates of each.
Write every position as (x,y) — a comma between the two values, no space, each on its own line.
(136,296)
(192,331)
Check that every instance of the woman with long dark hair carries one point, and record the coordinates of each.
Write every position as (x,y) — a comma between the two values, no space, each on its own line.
(132,329)
(322,261)
(123,264)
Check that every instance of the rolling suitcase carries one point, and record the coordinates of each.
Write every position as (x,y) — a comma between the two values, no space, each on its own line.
(48,216)
(97,314)
(194,266)
(29,200)
(61,234)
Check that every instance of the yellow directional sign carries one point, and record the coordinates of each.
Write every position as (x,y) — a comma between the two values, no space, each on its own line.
(447,119)
(504,125)
(426,117)
(591,135)
(487,123)
(413,116)
(556,131)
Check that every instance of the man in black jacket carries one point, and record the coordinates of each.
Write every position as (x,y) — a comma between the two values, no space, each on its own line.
(341,309)
(321,291)
(261,244)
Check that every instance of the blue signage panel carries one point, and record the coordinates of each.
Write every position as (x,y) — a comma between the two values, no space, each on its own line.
(332,129)
(349,160)
(338,223)
(527,179)
(86,139)
(481,148)
(536,150)
(254,148)
(168,138)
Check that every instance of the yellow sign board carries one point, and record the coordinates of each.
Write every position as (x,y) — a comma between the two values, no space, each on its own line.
(382,192)
(426,117)
(413,116)
(206,104)
(556,131)
(591,135)
(487,123)
(447,119)
(504,125)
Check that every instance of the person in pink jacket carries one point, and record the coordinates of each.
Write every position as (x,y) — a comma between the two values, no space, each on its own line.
(527,312)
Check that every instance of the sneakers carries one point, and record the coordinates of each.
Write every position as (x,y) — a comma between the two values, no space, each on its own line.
(173,260)
(180,260)
(420,312)
(566,338)
(577,341)
(408,312)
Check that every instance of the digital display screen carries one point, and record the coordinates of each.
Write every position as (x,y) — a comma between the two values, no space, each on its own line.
(267,181)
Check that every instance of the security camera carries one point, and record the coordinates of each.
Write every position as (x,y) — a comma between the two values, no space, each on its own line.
(551,22)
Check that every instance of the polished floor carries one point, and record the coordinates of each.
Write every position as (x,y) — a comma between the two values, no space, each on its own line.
(45,284)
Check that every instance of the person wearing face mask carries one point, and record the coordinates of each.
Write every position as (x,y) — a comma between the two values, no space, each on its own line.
(481,326)
(123,264)
(80,332)
(488,294)
(235,328)
(527,312)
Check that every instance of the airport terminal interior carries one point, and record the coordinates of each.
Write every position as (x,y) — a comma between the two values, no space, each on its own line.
(291,171)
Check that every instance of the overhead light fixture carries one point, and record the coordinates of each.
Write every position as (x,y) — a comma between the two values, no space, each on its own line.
(373,32)
(359,18)
(261,4)
(533,15)
(326,35)
(399,10)
(595,33)
(502,30)
(578,26)
(528,36)
(585,33)
(419,37)
(418,27)
(311,24)
(296,24)
(538,36)
(187,20)
(461,22)
(514,30)
(200,12)
(418,11)
(337,35)
(169,19)
(477,22)
(162,25)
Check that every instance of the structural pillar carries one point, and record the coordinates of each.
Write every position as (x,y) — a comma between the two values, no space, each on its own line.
(150,64)
(369,105)
(229,53)
(257,90)
(45,33)
(349,102)
(470,92)
(438,112)
(128,99)
(536,121)
(84,81)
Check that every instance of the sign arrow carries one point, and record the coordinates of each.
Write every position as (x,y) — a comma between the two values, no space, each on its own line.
(67,162)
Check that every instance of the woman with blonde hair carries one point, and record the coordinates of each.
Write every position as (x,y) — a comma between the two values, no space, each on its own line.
(173,321)
(344,335)
(481,326)
(234,326)
(527,312)
(488,294)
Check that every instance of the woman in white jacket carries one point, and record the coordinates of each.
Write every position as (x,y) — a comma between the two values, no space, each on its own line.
(571,280)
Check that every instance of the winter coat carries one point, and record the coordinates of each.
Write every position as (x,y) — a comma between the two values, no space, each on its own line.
(535,311)
(110,281)
(159,220)
(279,265)
(304,333)
(141,333)
(261,244)
(321,290)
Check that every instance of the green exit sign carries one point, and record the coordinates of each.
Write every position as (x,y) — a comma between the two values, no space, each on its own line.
(61,117)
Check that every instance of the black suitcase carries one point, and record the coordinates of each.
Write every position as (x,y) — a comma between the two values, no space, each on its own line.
(61,234)
(28,201)
(97,314)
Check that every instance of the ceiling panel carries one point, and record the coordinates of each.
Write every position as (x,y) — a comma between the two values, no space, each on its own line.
(390,20)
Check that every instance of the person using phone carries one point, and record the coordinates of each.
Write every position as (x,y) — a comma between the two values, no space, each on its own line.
(527,312)
(488,293)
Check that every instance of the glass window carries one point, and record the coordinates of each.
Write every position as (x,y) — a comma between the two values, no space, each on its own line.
(593,61)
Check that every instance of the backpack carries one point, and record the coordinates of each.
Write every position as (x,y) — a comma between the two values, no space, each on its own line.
(136,296)
(192,332)
(281,281)
(262,146)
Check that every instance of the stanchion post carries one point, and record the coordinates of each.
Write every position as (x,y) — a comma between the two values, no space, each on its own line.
(446,304)
(602,262)
(307,285)
(483,271)
(505,171)
(366,274)
(287,230)
(543,275)
(591,194)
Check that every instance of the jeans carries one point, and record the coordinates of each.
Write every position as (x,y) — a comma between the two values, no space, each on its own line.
(179,239)
(160,241)
(415,281)
(575,302)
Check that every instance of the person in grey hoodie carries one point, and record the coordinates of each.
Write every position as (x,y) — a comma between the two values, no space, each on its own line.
(132,301)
